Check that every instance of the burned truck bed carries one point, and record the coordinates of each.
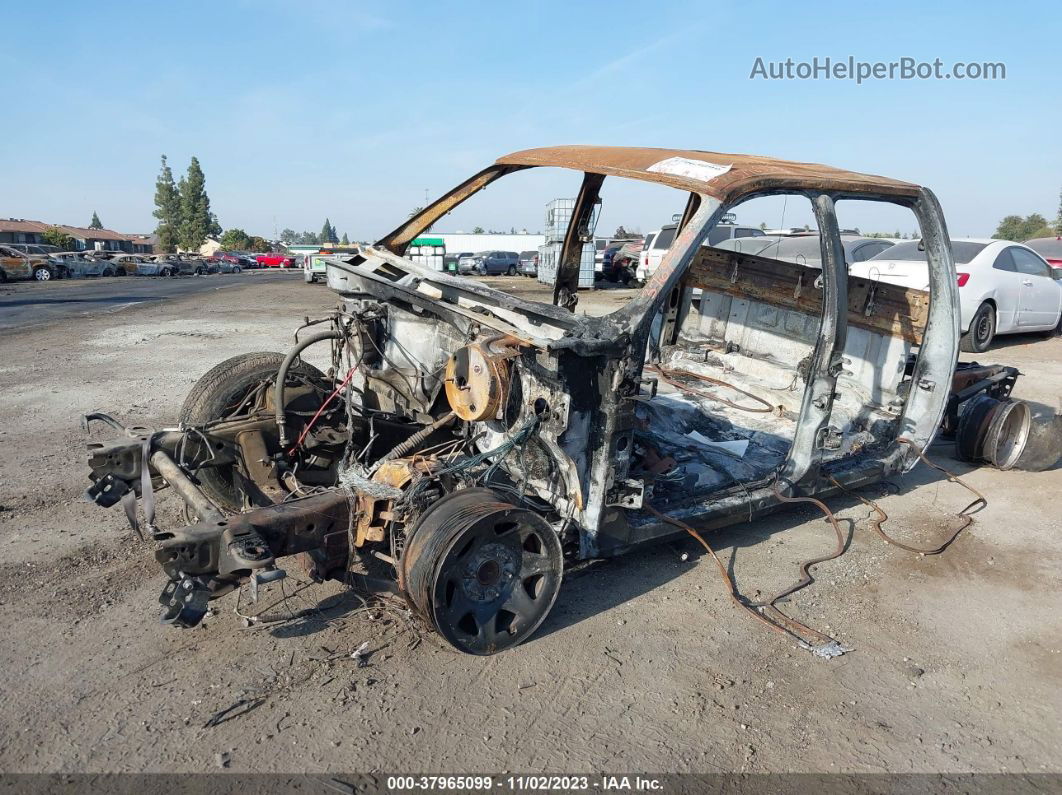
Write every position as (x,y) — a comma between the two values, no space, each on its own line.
(465,445)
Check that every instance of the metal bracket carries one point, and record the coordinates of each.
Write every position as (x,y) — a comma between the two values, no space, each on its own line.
(264,578)
(107,490)
(830,438)
(868,308)
(626,494)
(652,383)
(184,602)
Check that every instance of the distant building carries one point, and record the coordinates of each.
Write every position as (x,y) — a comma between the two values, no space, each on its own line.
(460,243)
(20,230)
(211,247)
(144,244)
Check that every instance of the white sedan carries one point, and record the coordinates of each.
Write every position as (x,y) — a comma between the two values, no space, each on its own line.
(1004,287)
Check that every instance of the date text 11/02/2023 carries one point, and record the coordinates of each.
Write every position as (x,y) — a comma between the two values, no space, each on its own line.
(520,783)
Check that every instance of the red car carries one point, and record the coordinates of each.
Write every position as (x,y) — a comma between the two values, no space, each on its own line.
(275,260)
(1050,248)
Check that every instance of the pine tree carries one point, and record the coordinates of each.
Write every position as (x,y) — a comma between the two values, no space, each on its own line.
(327,232)
(167,210)
(95,222)
(1058,221)
(196,219)
(345,241)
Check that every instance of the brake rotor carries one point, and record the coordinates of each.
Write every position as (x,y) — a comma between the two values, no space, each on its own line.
(477,380)
(483,572)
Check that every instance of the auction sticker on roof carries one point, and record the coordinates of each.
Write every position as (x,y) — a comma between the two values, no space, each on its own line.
(685,167)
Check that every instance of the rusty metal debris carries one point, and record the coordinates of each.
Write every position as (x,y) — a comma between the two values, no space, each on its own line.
(464,445)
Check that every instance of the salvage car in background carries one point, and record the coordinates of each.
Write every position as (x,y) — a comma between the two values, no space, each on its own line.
(497,263)
(1004,287)
(528,263)
(134,265)
(275,259)
(15,264)
(468,443)
(82,263)
(1050,248)
(806,249)
(657,243)
(228,266)
(615,265)
(468,263)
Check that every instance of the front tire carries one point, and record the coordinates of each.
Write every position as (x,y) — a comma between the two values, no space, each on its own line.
(982,330)
(42,274)
(236,269)
(164,272)
(484,572)
(220,393)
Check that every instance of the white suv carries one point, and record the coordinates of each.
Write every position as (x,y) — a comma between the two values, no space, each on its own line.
(658,242)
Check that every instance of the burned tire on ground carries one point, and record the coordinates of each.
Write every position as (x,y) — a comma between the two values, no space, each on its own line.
(482,571)
(222,392)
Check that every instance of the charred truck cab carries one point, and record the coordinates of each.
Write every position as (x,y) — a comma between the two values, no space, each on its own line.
(465,443)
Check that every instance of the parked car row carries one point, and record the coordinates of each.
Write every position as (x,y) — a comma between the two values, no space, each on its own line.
(23,262)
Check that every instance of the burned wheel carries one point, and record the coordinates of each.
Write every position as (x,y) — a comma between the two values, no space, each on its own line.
(227,391)
(483,572)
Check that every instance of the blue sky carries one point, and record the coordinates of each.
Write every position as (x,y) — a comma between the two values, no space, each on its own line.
(301,110)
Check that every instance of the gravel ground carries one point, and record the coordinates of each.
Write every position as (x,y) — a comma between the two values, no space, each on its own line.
(644,664)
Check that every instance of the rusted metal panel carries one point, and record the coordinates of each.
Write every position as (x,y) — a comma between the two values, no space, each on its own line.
(875,306)
(745,173)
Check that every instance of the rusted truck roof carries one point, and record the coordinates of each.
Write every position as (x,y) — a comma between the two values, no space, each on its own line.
(724,176)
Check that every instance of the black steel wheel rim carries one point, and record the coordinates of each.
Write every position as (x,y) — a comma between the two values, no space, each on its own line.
(983,331)
(483,571)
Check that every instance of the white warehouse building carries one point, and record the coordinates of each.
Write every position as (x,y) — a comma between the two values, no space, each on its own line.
(460,243)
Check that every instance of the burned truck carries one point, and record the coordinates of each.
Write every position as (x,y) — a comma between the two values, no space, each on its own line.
(465,444)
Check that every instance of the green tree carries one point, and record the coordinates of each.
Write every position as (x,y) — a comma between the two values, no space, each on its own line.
(167,210)
(95,222)
(1014,227)
(57,237)
(197,221)
(345,241)
(288,234)
(258,244)
(235,240)
(1036,226)
(1058,220)
(477,230)
(328,233)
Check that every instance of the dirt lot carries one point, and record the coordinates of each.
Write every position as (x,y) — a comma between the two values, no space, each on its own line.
(644,663)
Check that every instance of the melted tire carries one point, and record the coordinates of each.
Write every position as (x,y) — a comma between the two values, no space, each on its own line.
(217,394)
(483,572)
